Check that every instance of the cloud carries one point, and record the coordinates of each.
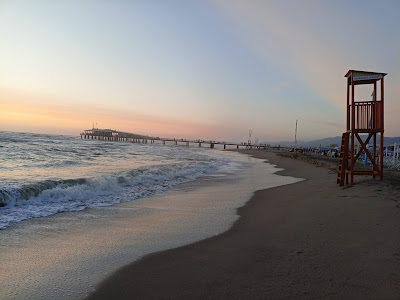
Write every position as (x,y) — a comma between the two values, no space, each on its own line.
(292,47)
(310,42)
(36,113)
(324,123)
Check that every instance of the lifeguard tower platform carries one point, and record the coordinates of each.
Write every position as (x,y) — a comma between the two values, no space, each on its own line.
(363,117)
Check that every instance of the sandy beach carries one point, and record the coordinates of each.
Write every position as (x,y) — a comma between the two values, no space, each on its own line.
(308,240)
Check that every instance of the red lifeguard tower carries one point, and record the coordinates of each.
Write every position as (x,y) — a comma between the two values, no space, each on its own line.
(363,117)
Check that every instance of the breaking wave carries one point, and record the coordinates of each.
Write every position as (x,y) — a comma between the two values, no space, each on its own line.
(50,197)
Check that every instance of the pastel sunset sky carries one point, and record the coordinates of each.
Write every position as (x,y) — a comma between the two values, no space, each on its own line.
(194,69)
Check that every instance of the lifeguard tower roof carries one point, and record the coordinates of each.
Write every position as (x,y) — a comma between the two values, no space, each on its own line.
(363,77)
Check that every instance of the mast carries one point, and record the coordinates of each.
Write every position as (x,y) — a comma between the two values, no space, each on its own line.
(295,137)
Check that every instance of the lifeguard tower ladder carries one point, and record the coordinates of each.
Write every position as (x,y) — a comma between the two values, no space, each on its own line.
(362,117)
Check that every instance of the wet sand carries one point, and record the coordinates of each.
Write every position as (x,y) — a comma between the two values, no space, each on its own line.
(307,240)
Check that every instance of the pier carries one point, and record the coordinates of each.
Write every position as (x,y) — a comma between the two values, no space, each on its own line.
(118,136)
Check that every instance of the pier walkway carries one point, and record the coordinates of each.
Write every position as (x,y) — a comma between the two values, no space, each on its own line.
(114,135)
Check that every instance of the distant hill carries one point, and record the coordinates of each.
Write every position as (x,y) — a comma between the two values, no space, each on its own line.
(337,140)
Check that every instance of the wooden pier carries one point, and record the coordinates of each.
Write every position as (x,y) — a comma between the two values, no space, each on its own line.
(118,136)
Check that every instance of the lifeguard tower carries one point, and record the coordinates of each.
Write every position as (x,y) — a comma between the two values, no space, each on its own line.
(363,117)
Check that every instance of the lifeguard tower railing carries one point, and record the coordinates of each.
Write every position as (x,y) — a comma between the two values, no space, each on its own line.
(368,116)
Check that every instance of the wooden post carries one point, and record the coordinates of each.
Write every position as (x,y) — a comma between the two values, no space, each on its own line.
(353,124)
(373,125)
(348,104)
(382,130)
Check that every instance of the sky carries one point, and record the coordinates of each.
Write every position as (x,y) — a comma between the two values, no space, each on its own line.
(194,69)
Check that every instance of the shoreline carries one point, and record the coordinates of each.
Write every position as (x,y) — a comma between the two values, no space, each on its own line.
(65,255)
(311,239)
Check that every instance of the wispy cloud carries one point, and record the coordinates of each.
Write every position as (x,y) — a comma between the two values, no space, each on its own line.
(30,112)
(324,123)
(296,43)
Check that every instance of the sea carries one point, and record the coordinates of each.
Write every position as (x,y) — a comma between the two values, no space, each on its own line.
(73,211)
(42,175)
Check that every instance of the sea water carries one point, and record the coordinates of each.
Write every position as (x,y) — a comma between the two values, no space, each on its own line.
(41,175)
(74,211)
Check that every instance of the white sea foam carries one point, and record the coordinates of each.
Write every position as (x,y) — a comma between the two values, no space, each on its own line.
(103,190)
